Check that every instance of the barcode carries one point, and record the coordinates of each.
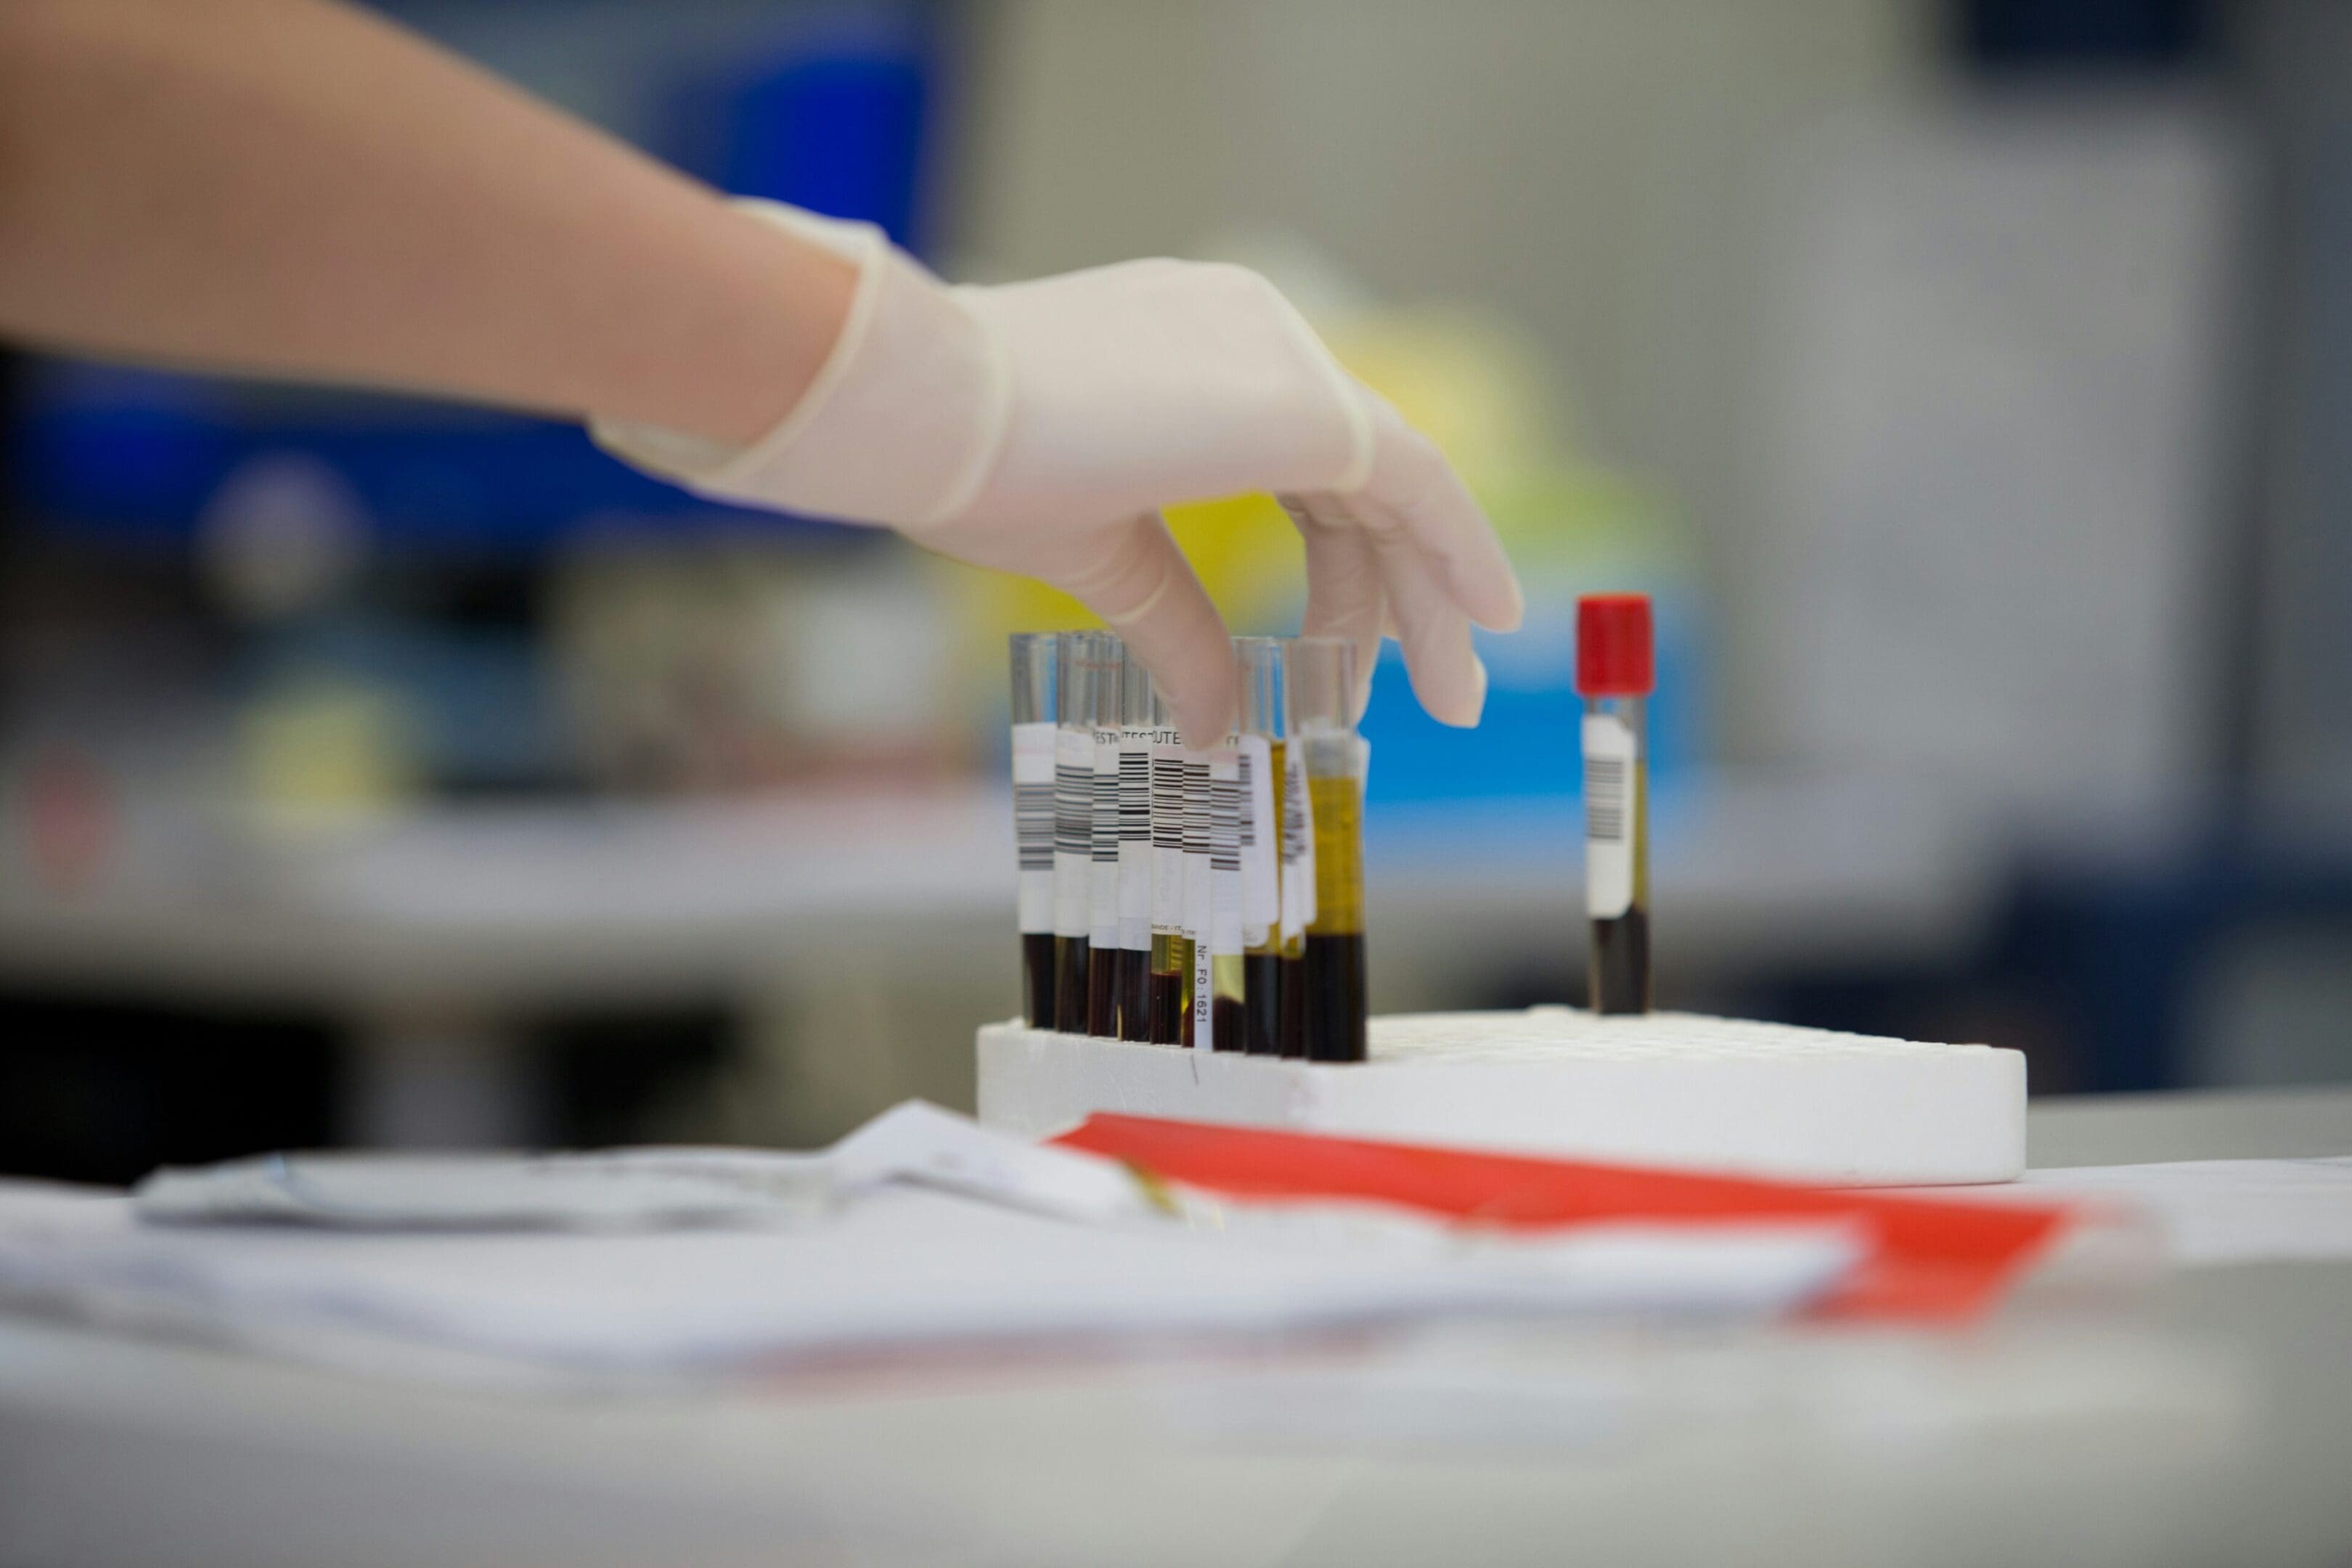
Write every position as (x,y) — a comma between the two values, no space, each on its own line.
(1225,809)
(1605,799)
(1036,824)
(1134,794)
(1294,826)
(1167,802)
(1249,804)
(1074,826)
(1104,839)
(1197,827)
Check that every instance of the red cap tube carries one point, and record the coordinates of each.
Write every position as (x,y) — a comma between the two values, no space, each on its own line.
(1614,648)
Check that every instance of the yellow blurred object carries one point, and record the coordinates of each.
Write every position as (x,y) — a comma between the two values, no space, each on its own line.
(1462,380)
(1244,547)
(1485,397)
(328,746)
(1471,385)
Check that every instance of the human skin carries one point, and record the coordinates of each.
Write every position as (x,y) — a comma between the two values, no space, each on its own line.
(300,189)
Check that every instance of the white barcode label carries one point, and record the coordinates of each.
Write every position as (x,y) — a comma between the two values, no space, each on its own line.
(1609,803)
(1166,835)
(1204,1011)
(1032,822)
(1074,797)
(1135,838)
(1199,833)
(1261,843)
(1200,886)
(1225,850)
(1103,906)
(1297,848)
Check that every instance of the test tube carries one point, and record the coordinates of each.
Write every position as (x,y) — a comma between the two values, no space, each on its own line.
(1262,758)
(1222,1013)
(1165,1024)
(1135,743)
(1297,809)
(1073,778)
(1321,686)
(1034,654)
(1110,658)
(1615,673)
(1200,895)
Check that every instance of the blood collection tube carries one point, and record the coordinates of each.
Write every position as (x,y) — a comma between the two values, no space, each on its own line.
(1223,1019)
(1074,780)
(1199,894)
(1321,686)
(1262,758)
(1615,673)
(1034,654)
(1135,741)
(1298,909)
(1168,958)
(1109,660)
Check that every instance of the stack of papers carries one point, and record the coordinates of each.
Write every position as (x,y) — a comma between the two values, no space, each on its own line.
(923,1233)
(893,1270)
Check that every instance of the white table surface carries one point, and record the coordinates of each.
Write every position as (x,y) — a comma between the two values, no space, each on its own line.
(2207,1416)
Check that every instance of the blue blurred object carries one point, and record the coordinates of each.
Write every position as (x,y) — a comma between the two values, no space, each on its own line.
(132,458)
(1527,745)
(839,133)
(833,119)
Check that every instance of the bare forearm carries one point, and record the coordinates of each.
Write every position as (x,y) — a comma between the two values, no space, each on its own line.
(291,187)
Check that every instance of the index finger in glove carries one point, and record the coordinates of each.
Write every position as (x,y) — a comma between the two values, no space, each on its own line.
(1413,484)
(1146,591)
(1347,593)
(1435,635)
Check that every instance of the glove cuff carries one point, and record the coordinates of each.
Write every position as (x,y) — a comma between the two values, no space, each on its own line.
(901,424)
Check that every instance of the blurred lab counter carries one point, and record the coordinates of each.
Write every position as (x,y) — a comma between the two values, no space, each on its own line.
(432,937)
(2203,1418)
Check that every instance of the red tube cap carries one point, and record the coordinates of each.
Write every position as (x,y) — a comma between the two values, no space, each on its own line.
(1614,648)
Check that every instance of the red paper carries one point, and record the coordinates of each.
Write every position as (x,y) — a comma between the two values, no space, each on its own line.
(1930,1259)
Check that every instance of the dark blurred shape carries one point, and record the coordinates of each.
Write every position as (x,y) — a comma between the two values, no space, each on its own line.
(105,1092)
(605,1073)
(2097,36)
(102,1091)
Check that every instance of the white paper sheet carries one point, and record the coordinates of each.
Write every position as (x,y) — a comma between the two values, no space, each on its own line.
(895,1269)
(644,1189)
(2217,1211)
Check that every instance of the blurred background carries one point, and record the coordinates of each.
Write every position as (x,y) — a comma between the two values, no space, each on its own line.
(1969,381)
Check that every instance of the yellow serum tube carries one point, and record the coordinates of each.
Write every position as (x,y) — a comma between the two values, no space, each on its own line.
(1321,681)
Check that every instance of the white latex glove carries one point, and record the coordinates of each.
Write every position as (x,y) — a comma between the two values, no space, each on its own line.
(1038,428)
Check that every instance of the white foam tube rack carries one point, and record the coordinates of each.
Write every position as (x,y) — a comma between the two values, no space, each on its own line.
(1660,1089)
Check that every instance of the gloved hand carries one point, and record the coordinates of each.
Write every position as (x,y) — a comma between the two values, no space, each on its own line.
(1039,427)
